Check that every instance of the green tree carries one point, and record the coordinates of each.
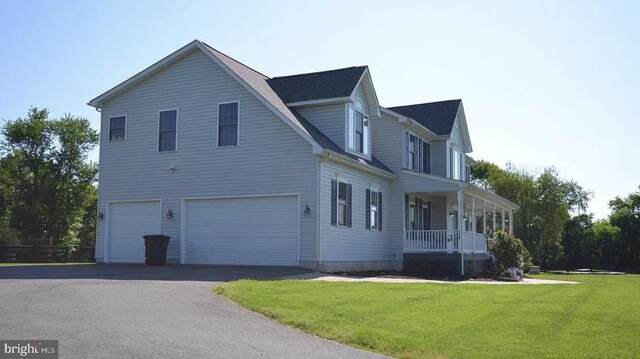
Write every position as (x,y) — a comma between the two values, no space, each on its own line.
(610,246)
(579,241)
(46,176)
(626,216)
(545,201)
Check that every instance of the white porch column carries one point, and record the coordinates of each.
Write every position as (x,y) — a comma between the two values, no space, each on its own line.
(511,221)
(473,223)
(460,241)
(494,219)
(484,218)
(502,211)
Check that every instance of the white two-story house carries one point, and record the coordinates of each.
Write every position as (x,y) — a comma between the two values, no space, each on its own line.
(304,170)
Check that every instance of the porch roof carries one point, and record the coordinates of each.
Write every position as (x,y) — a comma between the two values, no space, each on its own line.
(484,194)
(439,184)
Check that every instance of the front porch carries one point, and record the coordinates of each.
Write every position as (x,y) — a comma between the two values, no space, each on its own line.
(446,233)
(454,222)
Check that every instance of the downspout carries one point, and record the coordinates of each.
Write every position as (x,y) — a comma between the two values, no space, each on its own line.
(319,221)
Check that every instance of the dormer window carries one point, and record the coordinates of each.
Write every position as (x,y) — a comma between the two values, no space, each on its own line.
(358,129)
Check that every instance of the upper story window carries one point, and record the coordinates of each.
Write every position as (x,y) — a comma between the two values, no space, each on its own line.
(417,153)
(358,129)
(455,164)
(168,130)
(228,114)
(340,203)
(117,128)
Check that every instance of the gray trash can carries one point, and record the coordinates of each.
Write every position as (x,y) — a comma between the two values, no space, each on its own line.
(155,249)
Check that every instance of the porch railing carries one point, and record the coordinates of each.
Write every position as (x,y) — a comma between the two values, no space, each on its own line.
(431,240)
(419,241)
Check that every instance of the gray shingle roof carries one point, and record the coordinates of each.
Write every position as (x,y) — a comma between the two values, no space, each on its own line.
(317,85)
(259,81)
(328,144)
(436,116)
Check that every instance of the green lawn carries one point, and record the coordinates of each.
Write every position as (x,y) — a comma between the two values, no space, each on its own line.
(599,318)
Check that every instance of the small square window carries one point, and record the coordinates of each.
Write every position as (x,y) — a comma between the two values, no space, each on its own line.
(117,128)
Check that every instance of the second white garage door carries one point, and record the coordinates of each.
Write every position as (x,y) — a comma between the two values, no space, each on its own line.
(246,231)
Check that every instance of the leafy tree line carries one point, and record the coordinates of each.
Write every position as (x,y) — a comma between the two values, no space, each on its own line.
(47,185)
(551,221)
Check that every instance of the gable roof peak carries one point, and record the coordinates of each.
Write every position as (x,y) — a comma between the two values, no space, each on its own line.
(211,48)
(438,117)
(321,85)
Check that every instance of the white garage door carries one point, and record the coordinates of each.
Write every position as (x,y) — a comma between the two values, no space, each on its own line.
(252,231)
(128,222)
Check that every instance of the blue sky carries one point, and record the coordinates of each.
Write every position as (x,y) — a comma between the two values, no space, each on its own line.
(544,83)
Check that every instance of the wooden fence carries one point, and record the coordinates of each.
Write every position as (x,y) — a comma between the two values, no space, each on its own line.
(46,254)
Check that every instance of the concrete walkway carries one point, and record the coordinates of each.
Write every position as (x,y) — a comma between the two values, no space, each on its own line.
(316,276)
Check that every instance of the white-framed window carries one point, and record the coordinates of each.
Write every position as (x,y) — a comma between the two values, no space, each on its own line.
(417,153)
(340,203)
(228,124)
(358,136)
(426,215)
(373,209)
(168,130)
(417,213)
(117,128)
(455,163)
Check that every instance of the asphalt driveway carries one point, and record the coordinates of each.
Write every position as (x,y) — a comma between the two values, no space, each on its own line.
(135,311)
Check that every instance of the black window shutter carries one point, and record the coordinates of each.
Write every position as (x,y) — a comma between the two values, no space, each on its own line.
(417,162)
(367,209)
(406,212)
(406,149)
(426,157)
(348,205)
(379,211)
(334,202)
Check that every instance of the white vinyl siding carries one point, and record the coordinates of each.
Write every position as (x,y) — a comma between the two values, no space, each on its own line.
(356,243)
(329,119)
(262,164)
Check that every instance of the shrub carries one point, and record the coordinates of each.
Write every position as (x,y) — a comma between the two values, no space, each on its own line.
(508,251)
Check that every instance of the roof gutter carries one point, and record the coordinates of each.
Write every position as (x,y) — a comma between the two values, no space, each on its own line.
(324,101)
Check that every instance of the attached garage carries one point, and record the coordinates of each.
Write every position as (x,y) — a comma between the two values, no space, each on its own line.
(241,230)
(127,222)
